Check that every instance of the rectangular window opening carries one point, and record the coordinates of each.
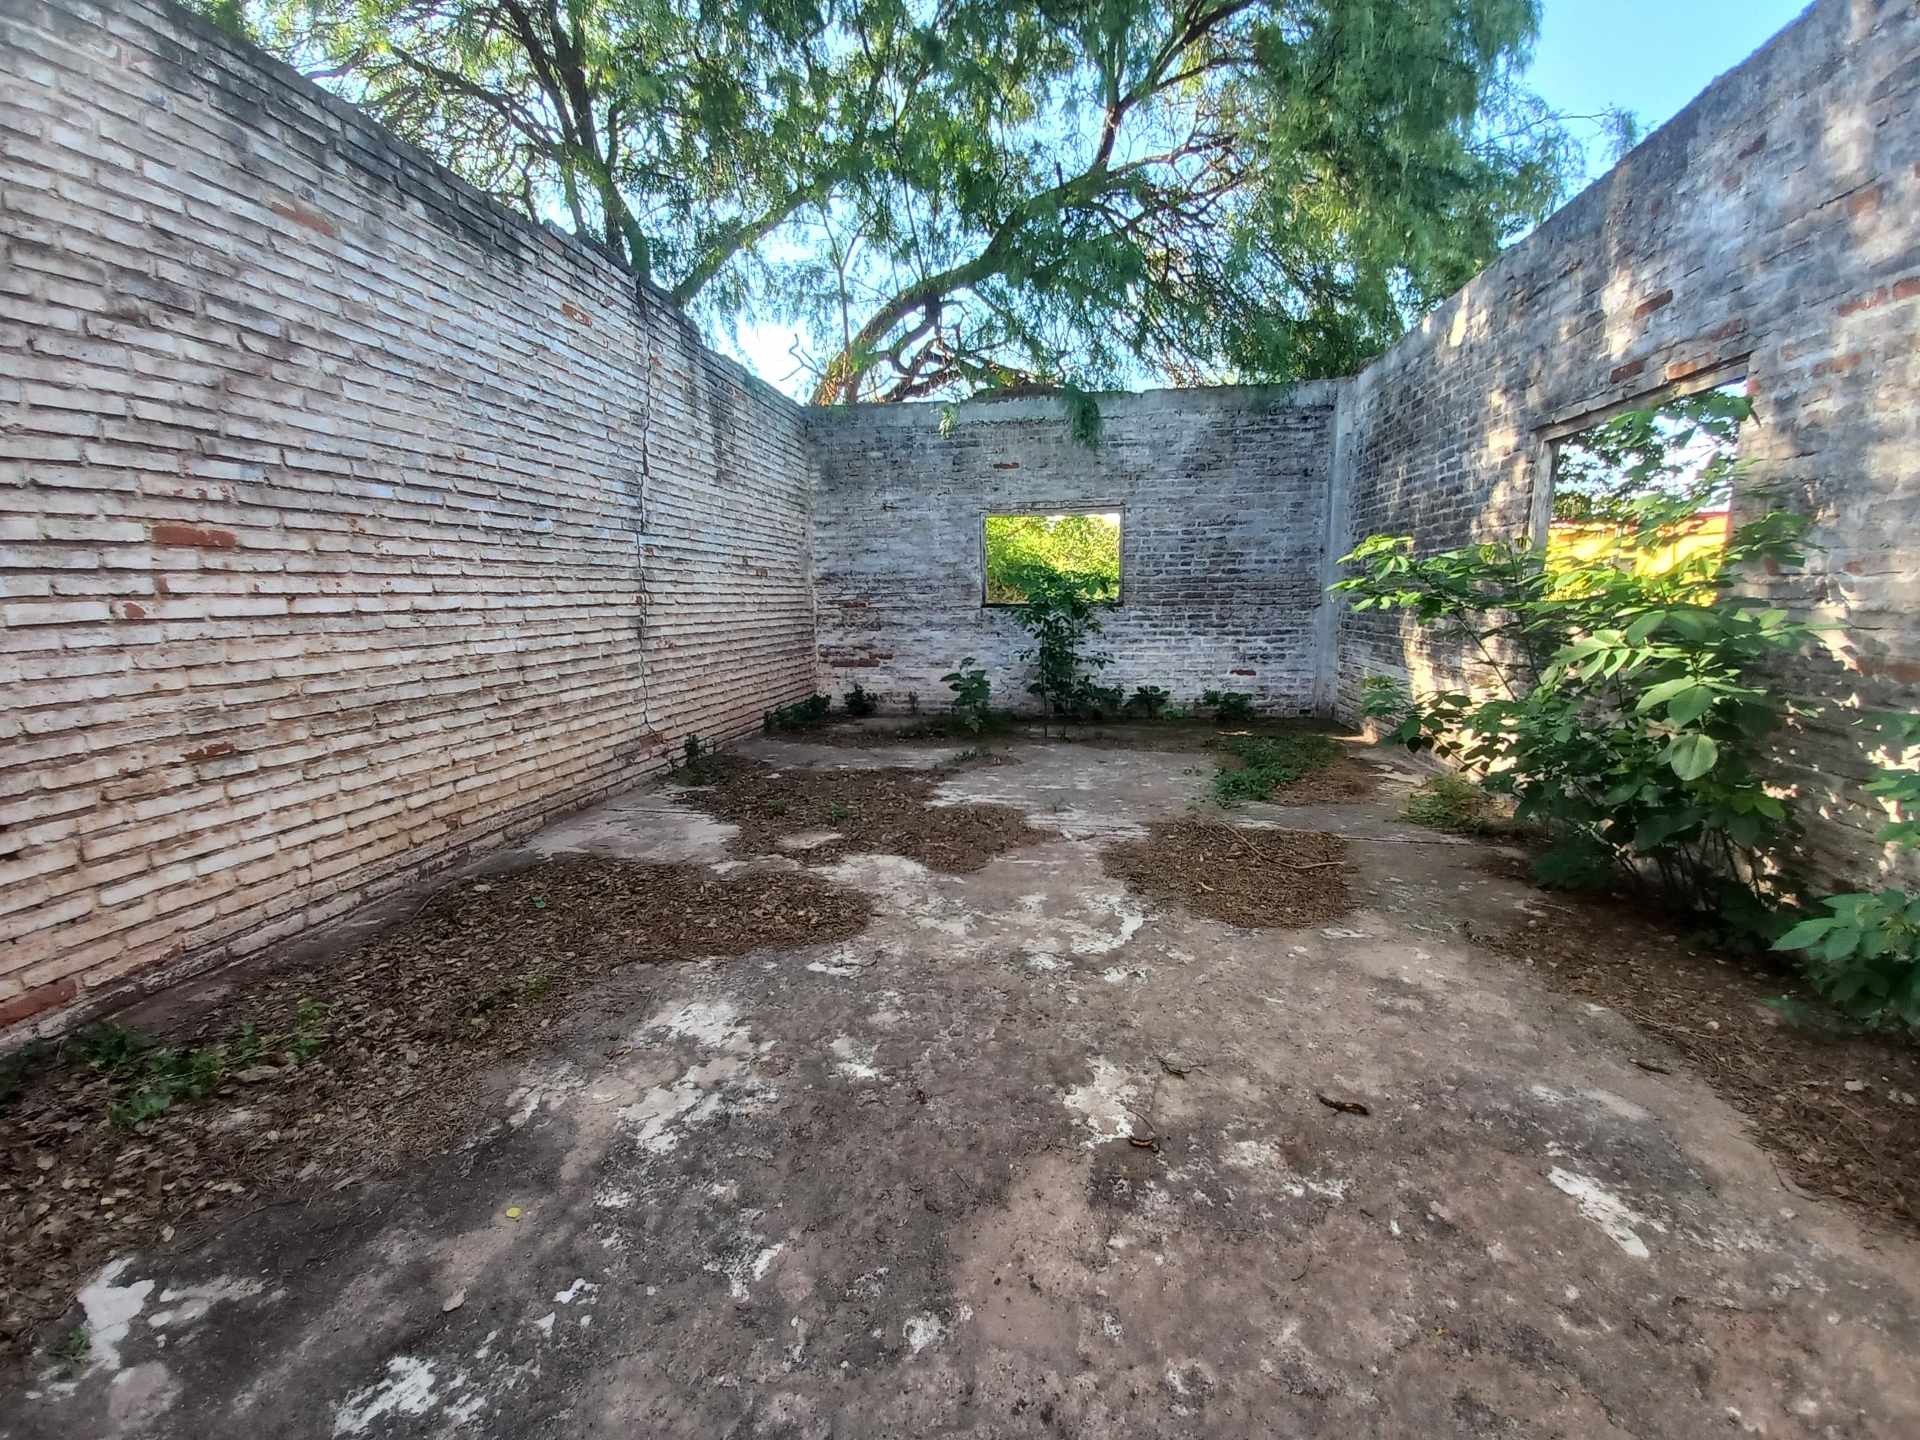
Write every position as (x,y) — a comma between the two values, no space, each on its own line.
(1662,472)
(1083,546)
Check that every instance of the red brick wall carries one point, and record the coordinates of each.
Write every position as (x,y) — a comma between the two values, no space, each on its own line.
(347,523)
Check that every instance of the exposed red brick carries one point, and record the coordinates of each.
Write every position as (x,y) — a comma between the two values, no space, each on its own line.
(167,532)
(29,1003)
(1906,672)
(1733,327)
(1864,201)
(132,610)
(1652,303)
(1626,371)
(1244,672)
(1754,146)
(301,215)
(1867,301)
(1906,289)
(575,313)
(1006,464)
(218,750)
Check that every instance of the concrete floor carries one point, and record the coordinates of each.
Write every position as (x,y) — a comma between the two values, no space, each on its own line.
(884,1188)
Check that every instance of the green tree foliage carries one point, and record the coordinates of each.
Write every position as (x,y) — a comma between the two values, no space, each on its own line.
(229,15)
(954,195)
(1083,548)
(1632,714)
(1680,450)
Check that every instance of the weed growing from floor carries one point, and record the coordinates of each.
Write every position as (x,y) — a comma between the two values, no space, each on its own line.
(1268,761)
(860,702)
(71,1352)
(808,714)
(1148,702)
(696,762)
(1230,707)
(149,1078)
(970,690)
(1454,804)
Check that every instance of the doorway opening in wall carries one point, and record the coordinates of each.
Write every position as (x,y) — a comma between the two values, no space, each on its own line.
(1082,545)
(1668,461)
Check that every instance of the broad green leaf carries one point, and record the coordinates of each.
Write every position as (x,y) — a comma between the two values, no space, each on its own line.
(1692,756)
(1689,705)
(1645,626)
(1663,692)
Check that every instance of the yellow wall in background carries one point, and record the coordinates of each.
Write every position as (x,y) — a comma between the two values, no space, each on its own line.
(1573,541)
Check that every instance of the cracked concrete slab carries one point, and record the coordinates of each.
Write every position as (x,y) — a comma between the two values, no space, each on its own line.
(951,1177)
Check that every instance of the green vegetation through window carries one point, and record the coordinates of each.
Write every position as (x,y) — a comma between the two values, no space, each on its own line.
(1084,548)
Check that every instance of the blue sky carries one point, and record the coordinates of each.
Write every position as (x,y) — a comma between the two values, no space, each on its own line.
(1649,56)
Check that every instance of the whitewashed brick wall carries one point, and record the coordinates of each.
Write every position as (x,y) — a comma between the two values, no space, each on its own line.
(348,523)
(1224,496)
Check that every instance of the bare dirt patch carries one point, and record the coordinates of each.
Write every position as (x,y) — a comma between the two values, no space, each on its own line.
(820,816)
(1261,879)
(1838,1110)
(317,1072)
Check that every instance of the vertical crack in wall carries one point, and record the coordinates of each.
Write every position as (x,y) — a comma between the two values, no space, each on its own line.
(649,365)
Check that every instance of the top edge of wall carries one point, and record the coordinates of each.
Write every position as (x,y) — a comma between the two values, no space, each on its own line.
(1666,151)
(1113,404)
(546,237)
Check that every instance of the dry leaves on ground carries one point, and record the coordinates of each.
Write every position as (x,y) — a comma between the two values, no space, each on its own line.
(823,815)
(1838,1110)
(361,1060)
(1280,878)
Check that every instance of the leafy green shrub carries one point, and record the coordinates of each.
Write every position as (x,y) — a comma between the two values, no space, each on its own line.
(808,714)
(1453,804)
(1862,952)
(1230,707)
(1061,616)
(860,702)
(1632,713)
(1269,761)
(1149,702)
(970,690)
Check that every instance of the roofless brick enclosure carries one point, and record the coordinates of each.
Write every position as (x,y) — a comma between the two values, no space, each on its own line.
(350,525)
